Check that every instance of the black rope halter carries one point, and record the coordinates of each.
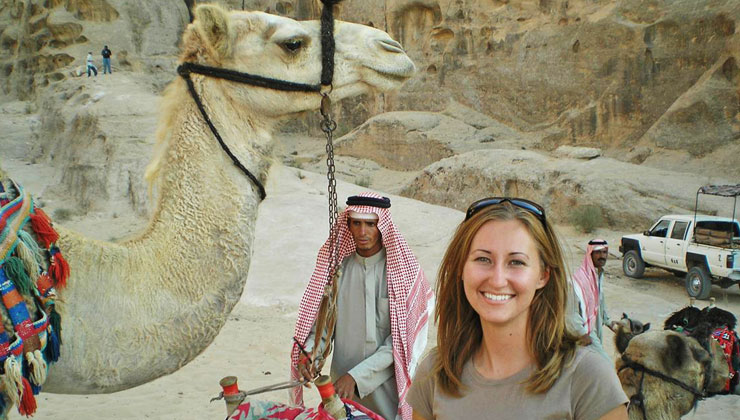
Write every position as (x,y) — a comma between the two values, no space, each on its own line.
(327,74)
(638,399)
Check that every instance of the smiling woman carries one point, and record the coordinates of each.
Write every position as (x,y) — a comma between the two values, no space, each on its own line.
(502,346)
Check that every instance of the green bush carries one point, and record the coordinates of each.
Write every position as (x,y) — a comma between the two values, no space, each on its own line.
(587,218)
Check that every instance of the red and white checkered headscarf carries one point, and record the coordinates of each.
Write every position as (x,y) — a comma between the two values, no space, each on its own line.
(408,291)
(587,279)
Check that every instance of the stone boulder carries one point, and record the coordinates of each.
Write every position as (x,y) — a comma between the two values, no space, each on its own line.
(629,196)
(577,152)
(410,140)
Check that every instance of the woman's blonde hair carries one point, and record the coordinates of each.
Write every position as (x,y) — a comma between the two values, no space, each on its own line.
(459,332)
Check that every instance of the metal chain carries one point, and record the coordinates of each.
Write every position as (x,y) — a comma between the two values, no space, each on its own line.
(328,125)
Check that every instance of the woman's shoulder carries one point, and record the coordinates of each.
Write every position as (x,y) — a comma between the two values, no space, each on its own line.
(594,384)
(590,366)
(587,354)
(426,366)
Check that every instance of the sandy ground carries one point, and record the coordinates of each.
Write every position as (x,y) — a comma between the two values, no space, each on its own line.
(255,343)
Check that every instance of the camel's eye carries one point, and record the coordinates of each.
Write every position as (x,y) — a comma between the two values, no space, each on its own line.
(293,44)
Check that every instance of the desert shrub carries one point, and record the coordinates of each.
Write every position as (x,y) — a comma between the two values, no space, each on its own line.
(62,215)
(587,218)
(363,181)
(293,162)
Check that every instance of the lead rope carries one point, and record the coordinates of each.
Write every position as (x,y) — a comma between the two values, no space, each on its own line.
(327,315)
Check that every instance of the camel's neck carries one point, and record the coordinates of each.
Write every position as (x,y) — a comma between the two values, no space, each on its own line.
(207,206)
(160,299)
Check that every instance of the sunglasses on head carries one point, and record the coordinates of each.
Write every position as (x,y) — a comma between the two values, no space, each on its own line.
(522,203)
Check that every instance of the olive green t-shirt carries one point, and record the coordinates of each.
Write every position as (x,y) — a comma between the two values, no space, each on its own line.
(587,389)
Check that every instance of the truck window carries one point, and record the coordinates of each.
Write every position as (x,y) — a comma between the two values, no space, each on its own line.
(679,230)
(661,229)
(720,226)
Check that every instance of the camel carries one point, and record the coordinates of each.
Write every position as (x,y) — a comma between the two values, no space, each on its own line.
(677,357)
(137,310)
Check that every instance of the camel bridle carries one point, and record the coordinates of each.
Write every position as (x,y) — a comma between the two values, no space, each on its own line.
(324,88)
(638,399)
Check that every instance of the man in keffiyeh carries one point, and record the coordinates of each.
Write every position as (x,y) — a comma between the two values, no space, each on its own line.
(382,310)
(589,314)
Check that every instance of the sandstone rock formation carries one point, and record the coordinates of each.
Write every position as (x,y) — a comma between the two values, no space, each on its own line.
(629,196)
(41,39)
(597,73)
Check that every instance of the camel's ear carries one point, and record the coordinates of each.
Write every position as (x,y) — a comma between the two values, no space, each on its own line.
(213,22)
(676,353)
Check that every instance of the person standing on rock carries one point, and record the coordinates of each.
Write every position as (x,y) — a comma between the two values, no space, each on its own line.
(587,305)
(382,308)
(106,53)
(90,66)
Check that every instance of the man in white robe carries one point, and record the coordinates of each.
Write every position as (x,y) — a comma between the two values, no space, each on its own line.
(366,366)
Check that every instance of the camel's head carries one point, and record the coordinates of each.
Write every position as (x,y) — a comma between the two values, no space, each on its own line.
(671,355)
(625,329)
(366,58)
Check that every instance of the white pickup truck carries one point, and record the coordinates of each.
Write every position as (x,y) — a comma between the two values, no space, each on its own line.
(706,252)
(704,248)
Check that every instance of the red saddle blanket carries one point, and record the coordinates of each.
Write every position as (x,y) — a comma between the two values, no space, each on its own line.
(728,340)
(255,410)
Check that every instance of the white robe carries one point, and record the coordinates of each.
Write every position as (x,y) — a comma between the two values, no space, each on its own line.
(363,346)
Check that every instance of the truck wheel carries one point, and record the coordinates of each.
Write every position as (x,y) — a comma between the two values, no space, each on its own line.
(698,283)
(633,265)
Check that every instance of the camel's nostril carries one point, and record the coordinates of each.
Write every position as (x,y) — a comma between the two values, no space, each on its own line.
(391,45)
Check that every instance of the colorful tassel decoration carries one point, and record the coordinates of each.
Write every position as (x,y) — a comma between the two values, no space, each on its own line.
(52,347)
(41,224)
(15,271)
(36,367)
(27,405)
(13,379)
(29,261)
(59,268)
(28,240)
(55,320)
(44,284)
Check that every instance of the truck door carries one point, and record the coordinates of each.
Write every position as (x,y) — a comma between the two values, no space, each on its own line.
(675,246)
(653,251)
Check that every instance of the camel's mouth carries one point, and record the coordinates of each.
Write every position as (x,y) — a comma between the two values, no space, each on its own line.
(395,75)
(399,76)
